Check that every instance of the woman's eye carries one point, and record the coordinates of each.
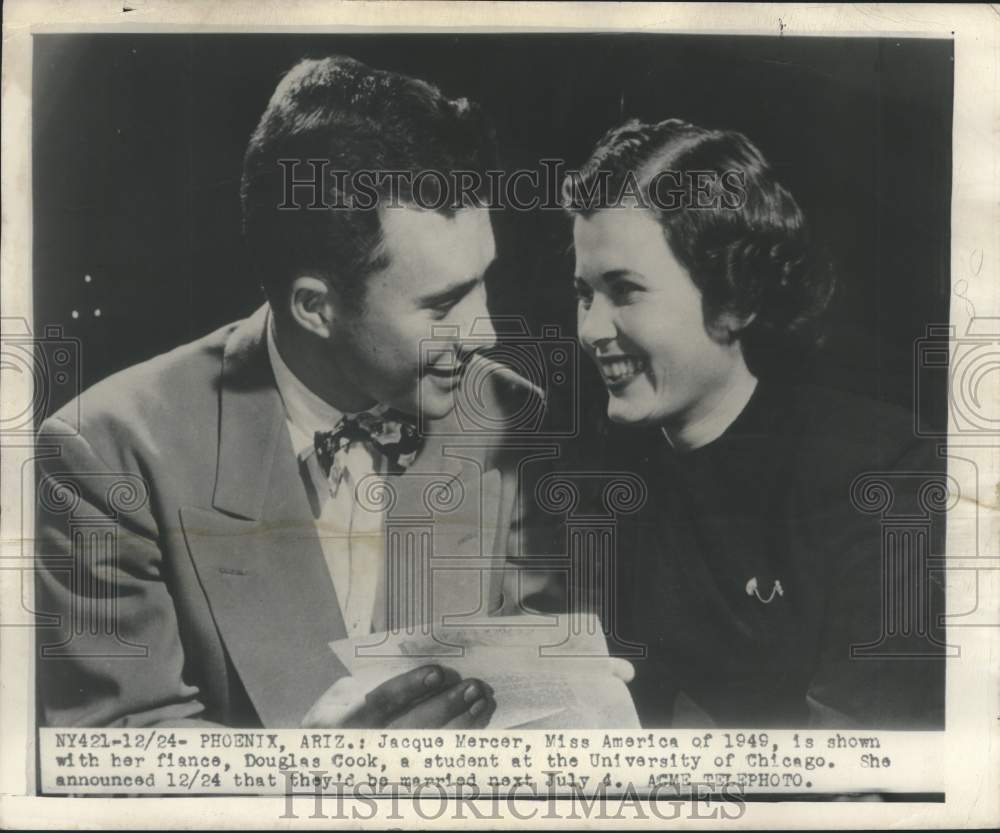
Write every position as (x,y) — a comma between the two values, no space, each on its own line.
(626,292)
(584,294)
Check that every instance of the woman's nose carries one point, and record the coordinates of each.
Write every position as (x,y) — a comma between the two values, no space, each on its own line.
(595,324)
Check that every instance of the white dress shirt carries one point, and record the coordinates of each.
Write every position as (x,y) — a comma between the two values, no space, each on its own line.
(350,535)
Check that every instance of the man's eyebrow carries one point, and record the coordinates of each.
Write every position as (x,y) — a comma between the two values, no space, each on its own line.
(451,293)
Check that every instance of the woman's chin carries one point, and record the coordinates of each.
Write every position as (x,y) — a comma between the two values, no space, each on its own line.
(625,412)
(637,404)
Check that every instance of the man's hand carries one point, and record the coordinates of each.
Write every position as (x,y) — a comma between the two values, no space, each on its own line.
(429,697)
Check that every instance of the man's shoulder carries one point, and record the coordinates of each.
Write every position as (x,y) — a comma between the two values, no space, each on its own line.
(173,388)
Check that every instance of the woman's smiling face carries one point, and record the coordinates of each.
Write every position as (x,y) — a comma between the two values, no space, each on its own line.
(640,318)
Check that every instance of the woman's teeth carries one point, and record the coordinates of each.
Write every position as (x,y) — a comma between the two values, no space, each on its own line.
(620,369)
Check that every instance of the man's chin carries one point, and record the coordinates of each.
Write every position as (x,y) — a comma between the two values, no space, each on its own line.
(435,404)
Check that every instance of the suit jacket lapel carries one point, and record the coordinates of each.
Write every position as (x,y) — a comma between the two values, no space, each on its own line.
(256,550)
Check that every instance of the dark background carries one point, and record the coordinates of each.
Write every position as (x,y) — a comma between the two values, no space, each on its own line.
(138,144)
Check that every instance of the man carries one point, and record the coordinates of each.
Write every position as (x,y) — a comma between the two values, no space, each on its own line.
(259,457)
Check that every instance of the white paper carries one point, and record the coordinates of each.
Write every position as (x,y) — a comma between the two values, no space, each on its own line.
(546,672)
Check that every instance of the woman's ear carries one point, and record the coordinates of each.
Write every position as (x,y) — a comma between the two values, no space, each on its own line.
(313,305)
(729,325)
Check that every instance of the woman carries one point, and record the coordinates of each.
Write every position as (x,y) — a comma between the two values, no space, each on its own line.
(753,580)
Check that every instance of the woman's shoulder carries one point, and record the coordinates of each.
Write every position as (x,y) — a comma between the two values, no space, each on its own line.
(843,415)
(820,431)
(838,435)
(841,411)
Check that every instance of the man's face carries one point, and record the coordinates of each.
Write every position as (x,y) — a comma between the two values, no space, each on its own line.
(434,279)
(640,318)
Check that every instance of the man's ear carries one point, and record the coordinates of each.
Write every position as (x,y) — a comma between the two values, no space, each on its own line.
(313,305)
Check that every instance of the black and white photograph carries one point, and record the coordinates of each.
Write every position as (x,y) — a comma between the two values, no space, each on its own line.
(567,411)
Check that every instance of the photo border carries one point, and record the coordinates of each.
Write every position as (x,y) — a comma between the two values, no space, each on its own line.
(971,758)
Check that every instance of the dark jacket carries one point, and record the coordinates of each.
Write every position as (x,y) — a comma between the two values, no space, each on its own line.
(778,576)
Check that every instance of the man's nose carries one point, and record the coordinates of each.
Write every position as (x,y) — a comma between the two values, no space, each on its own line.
(595,325)
(477,332)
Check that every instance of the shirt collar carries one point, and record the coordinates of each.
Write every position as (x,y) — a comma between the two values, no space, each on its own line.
(307,412)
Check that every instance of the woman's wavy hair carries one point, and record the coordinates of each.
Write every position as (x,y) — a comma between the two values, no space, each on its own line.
(739,233)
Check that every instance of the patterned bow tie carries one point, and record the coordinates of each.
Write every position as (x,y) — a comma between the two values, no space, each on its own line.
(389,432)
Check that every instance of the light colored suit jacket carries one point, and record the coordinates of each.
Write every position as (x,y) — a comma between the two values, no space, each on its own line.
(180,576)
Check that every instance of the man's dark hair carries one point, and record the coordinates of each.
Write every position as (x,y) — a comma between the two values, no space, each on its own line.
(743,239)
(352,118)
